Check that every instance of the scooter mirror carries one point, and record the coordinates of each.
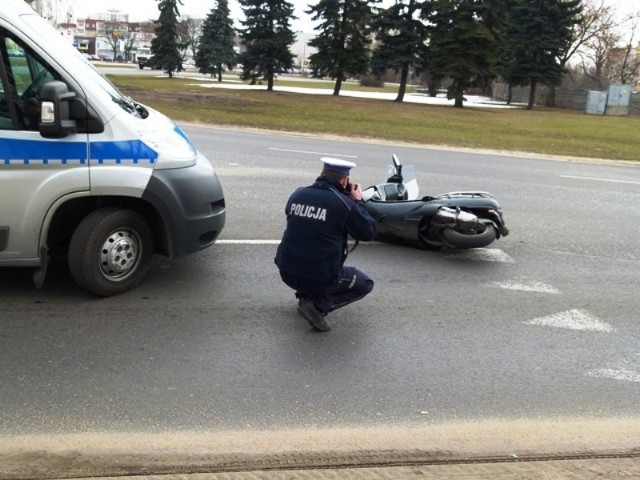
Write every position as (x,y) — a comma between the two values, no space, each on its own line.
(396,164)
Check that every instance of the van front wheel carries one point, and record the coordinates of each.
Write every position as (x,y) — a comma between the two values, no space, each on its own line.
(110,251)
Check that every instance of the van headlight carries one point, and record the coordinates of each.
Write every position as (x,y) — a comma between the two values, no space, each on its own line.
(174,149)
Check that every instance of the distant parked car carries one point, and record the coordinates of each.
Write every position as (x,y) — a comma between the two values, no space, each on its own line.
(106,58)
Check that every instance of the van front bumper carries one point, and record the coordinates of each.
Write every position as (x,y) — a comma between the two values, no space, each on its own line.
(190,202)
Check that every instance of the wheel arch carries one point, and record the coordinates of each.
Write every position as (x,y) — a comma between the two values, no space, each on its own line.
(68,215)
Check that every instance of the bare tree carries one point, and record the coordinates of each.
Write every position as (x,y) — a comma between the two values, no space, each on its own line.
(121,35)
(598,40)
(190,29)
(628,65)
(113,33)
(607,52)
(598,63)
(597,20)
(129,40)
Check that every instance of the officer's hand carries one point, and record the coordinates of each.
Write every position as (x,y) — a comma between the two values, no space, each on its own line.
(356,192)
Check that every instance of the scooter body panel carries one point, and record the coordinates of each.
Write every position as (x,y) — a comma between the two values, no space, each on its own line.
(420,222)
(399,221)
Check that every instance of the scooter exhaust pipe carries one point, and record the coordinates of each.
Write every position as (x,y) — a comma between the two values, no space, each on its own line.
(452,217)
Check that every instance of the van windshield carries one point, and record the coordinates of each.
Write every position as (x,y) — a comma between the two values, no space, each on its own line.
(59,43)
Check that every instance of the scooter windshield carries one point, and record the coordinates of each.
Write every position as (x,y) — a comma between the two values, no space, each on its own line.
(410,181)
(390,189)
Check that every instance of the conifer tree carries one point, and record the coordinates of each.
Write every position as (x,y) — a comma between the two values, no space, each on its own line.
(540,32)
(267,37)
(215,49)
(401,34)
(343,42)
(463,44)
(166,46)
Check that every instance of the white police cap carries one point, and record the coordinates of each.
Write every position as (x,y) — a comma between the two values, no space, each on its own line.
(337,165)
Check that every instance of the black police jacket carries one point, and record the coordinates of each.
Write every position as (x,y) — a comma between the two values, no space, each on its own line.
(319,219)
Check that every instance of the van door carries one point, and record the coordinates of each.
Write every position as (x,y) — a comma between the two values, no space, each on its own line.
(35,172)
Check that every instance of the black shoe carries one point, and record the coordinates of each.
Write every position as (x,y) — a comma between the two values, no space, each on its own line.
(301,297)
(315,318)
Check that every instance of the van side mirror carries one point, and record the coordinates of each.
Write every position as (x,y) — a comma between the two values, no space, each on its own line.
(55,119)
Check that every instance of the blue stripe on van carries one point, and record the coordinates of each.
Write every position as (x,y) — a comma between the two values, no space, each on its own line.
(126,151)
(14,151)
(45,152)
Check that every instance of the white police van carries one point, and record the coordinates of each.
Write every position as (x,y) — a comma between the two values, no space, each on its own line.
(88,172)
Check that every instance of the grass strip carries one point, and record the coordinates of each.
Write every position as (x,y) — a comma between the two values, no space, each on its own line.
(543,130)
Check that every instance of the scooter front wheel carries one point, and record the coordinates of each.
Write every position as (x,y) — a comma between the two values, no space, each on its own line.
(478,239)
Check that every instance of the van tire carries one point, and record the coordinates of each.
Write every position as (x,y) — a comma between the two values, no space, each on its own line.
(110,251)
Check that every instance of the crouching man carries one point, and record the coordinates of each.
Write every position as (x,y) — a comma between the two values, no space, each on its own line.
(311,256)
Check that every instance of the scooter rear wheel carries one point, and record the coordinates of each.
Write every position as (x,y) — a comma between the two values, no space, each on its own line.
(470,240)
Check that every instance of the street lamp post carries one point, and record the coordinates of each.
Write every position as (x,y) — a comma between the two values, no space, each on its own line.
(304,55)
(301,37)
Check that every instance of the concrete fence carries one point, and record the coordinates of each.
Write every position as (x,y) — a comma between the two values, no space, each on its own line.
(570,98)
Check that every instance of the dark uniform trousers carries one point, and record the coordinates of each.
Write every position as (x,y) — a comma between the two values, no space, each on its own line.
(352,285)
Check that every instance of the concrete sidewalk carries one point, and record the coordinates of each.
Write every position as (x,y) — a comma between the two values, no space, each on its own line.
(614,468)
(567,449)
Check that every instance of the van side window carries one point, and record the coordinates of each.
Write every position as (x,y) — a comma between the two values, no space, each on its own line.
(24,75)
(5,116)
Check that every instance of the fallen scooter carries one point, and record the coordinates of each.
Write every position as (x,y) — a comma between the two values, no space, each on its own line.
(452,220)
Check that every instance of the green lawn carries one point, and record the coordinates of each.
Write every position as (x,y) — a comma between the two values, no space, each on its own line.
(545,131)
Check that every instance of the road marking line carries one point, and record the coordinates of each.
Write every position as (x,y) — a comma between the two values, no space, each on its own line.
(572,319)
(248,242)
(484,255)
(537,287)
(597,179)
(276,242)
(616,374)
(311,153)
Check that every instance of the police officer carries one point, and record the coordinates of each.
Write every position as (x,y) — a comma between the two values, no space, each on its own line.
(311,256)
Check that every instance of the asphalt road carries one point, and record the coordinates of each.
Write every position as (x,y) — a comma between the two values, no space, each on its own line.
(542,325)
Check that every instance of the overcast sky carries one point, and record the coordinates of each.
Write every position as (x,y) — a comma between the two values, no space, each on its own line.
(140,10)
